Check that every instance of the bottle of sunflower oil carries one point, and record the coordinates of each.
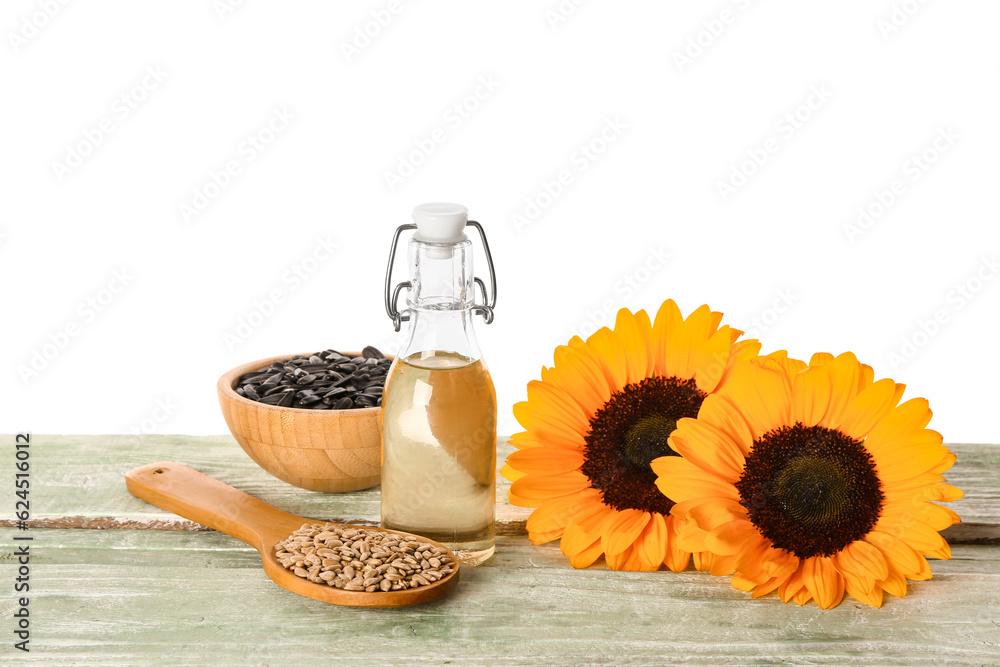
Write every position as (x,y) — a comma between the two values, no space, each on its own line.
(439,406)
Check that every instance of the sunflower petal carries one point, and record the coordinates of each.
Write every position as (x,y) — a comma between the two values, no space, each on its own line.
(844,372)
(511,474)
(761,389)
(652,543)
(898,554)
(538,488)
(722,414)
(726,540)
(623,531)
(586,557)
(792,367)
(708,448)
(779,563)
(862,564)
(545,537)
(709,360)
(709,514)
(743,350)
(558,406)
(871,597)
(556,513)
(610,351)
(820,359)
(915,455)
(666,338)
(948,493)
(811,395)
(767,587)
(632,341)
(823,581)
(646,333)
(917,534)
(868,408)
(792,585)
(695,331)
(545,460)
(675,558)
(899,423)
(580,381)
(680,480)
(690,538)
(547,427)
(575,539)
(895,584)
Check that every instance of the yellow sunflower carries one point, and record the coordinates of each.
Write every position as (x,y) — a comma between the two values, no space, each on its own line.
(812,481)
(598,417)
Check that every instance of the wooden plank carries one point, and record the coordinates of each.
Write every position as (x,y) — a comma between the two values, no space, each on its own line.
(128,597)
(78,481)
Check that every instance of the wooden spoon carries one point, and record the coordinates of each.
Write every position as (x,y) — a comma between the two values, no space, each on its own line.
(206,500)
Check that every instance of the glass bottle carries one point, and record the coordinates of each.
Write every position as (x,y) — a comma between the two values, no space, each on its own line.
(439,405)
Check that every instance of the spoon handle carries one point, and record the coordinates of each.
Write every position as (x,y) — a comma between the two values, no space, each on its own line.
(205,500)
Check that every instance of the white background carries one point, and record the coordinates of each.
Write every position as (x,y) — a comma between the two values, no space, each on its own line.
(775,254)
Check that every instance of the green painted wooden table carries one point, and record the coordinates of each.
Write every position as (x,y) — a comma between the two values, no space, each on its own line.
(116,581)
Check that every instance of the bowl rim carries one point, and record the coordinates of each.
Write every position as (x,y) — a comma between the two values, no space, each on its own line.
(226,383)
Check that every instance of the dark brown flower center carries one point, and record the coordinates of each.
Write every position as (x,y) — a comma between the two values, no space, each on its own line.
(810,490)
(631,430)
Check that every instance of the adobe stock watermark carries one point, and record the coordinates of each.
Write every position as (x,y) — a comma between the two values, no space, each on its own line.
(365,34)
(768,316)
(31,25)
(453,119)
(163,409)
(703,38)
(899,15)
(955,300)
(579,161)
(223,8)
(87,311)
(291,280)
(218,180)
(562,11)
(786,127)
(625,287)
(912,170)
(121,108)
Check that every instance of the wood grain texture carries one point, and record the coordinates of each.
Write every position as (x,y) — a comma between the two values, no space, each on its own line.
(320,450)
(139,597)
(208,501)
(95,467)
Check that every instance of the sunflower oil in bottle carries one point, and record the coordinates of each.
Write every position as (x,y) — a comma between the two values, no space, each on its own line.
(439,404)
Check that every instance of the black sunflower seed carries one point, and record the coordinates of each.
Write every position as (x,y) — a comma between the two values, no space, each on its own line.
(372,352)
(321,381)
(272,380)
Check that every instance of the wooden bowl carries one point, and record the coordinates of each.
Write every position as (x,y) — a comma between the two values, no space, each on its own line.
(332,451)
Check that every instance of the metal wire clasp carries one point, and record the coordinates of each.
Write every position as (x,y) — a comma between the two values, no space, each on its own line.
(392,294)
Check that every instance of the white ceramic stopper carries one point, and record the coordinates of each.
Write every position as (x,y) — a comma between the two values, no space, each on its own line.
(440,222)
